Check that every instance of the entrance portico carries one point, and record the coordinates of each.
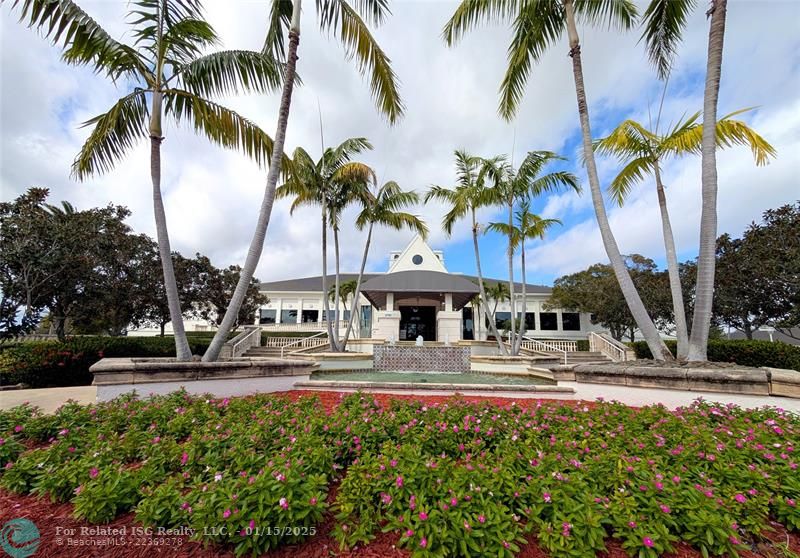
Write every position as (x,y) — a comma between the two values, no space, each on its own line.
(413,303)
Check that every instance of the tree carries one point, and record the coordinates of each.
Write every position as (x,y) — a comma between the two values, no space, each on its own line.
(167,64)
(537,25)
(332,183)
(383,208)
(513,186)
(217,285)
(190,278)
(597,292)
(664,21)
(497,293)
(469,195)
(348,25)
(642,151)
(527,226)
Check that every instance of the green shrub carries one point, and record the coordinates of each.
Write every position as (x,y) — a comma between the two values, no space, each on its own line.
(582,344)
(55,363)
(740,351)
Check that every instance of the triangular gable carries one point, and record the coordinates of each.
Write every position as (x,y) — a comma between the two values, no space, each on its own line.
(418,256)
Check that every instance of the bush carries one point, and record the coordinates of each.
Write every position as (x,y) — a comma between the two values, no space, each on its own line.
(582,344)
(744,352)
(54,363)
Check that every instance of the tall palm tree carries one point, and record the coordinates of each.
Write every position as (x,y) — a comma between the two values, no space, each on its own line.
(664,21)
(537,26)
(527,225)
(331,183)
(469,195)
(522,185)
(166,65)
(384,208)
(498,293)
(642,151)
(347,23)
(477,317)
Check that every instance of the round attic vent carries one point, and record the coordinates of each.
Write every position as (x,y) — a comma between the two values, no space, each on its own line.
(417,259)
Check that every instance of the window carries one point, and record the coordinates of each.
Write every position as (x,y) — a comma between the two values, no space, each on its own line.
(548,321)
(467,331)
(344,316)
(310,316)
(530,319)
(417,259)
(571,321)
(502,320)
(366,321)
(288,316)
(266,316)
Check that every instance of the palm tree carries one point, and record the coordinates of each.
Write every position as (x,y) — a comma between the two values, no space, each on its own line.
(664,21)
(469,195)
(383,208)
(348,25)
(642,151)
(331,183)
(498,293)
(476,304)
(527,225)
(537,25)
(165,64)
(524,184)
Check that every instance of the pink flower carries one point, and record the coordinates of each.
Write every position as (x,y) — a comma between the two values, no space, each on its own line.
(632,524)
(423,516)
(157,439)
(184,458)
(93,472)
(313,501)
(741,498)
(424,542)
(226,514)
(18,428)
(385,498)
(283,503)
(252,524)
(546,497)
(481,519)
(410,533)
(453,501)
(399,482)
(648,542)
(664,508)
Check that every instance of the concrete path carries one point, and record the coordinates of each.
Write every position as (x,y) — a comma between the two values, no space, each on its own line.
(48,399)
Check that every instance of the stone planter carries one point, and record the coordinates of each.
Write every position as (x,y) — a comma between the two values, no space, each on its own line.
(243,376)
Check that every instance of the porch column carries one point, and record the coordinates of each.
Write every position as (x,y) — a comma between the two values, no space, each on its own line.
(448,302)
(321,309)
(300,310)
(279,311)
(389,301)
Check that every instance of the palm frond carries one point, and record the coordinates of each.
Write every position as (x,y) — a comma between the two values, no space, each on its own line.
(83,41)
(615,14)
(629,139)
(354,172)
(114,133)
(538,26)
(339,155)
(735,132)
(230,72)
(664,21)
(280,18)
(185,40)
(634,172)
(221,125)
(470,13)
(347,25)
(556,181)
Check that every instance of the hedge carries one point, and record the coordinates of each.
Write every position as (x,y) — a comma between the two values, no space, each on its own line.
(55,363)
(747,353)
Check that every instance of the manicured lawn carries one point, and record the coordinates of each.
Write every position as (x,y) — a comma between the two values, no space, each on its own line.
(432,476)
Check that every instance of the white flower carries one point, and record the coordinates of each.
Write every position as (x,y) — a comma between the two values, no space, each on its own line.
(218,477)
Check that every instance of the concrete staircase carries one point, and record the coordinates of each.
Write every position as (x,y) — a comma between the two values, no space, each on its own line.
(275,352)
(579,357)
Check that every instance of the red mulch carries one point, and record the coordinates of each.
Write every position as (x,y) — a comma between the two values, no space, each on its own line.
(48,516)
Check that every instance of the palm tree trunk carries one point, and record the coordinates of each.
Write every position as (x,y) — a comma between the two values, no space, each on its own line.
(337,295)
(358,286)
(643,320)
(182,350)
(513,331)
(681,331)
(523,329)
(326,304)
(257,243)
(704,291)
(492,325)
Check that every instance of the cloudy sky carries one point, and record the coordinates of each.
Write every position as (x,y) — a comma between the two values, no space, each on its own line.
(212,196)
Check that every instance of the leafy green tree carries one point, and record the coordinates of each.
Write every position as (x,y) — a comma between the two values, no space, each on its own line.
(384,208)
(168,68)
(333,182)
(470,193)
(526,226)
(537,26)
(642,151)
(216,291)
(347,23)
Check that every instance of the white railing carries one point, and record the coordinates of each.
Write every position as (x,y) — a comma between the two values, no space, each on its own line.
(541,346)
(236,347)
(278,342)
(607,345)
(307,342)
(563,344)
(303,326)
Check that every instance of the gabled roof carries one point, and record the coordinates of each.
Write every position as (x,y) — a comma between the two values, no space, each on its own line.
(417,256)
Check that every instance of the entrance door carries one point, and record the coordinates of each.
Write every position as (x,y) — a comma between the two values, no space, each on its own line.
(417,320)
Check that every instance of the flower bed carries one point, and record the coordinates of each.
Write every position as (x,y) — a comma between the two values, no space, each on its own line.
(451,477)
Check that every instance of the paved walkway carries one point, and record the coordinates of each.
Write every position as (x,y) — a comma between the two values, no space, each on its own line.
(48,399)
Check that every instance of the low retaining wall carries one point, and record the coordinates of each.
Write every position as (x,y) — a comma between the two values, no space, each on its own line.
(421,359)
(342,361)
(750,381)
(115,376)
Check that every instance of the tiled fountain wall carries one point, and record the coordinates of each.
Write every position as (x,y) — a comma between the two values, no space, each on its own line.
(389,358)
